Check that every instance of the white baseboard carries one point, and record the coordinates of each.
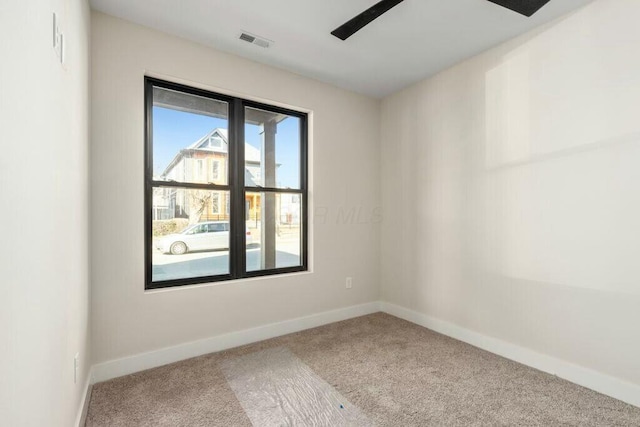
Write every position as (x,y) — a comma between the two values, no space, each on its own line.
(84,405)
(128,365)
(602,383)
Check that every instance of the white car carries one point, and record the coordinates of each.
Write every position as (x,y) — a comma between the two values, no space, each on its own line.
(198,237)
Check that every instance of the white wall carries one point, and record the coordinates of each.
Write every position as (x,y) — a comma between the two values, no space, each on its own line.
(345,175)
(511,192)
(44,288)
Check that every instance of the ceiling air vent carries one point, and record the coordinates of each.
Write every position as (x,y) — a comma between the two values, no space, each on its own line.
(253,39)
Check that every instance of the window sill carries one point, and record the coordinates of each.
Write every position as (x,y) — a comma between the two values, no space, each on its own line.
(278,276)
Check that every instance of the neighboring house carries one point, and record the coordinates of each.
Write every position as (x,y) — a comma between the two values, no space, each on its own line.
(205,161)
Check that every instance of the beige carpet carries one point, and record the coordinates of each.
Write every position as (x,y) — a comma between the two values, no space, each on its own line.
(396,373)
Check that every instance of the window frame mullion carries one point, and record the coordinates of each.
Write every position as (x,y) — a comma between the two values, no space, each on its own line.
(237,253)
(191,185)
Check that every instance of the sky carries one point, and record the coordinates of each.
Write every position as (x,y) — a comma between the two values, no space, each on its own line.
(174,130)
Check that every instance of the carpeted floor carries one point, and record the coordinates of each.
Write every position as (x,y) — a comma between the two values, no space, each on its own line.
(395,372)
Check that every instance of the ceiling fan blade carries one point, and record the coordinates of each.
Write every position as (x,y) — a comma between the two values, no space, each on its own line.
(524,7)
(349,28)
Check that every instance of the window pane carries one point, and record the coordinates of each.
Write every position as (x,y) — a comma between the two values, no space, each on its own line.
(190,236)
(272,149)
(274,228)
(188,145)
(190,139)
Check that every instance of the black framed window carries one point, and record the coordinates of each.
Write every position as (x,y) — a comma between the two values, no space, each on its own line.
(225,187)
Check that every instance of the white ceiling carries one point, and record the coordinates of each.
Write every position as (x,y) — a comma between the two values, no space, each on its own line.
(414,40)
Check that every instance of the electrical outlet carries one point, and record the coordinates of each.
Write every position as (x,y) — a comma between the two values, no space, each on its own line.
(349,283)
(76,365)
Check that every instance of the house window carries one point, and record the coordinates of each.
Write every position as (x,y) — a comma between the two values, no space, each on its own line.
(215,203)
(260,177)
(215,142)
(215,170)
(199,170)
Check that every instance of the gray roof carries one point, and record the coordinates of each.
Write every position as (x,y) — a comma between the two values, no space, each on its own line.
(251,153)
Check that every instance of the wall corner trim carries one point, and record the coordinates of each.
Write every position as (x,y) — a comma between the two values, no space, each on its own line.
(84,404)
(139,362)
(597,381)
